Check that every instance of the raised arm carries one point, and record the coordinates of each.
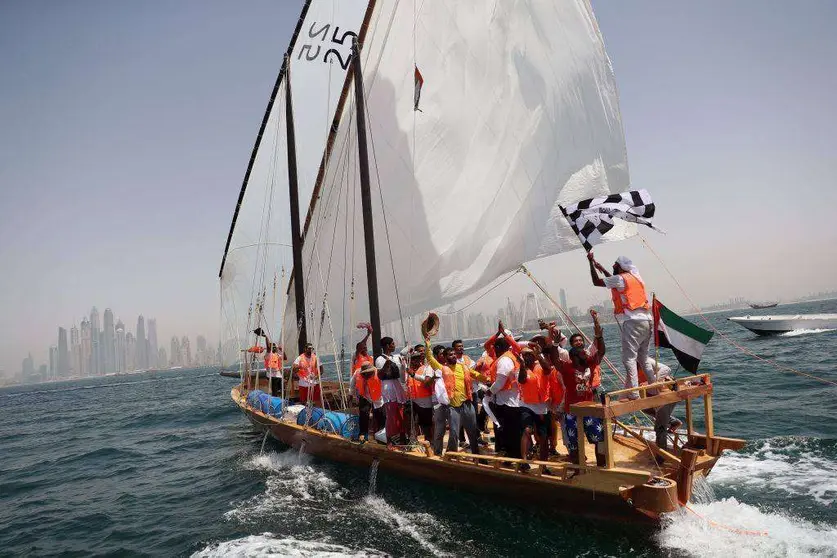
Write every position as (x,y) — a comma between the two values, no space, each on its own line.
(428,354)
(594,265)
(597,331)
(363,341)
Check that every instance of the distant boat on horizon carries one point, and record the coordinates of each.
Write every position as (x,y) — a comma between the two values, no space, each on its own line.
(772,325)
(764,305)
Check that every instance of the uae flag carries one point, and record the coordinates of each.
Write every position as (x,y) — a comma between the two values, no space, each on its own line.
(686,340)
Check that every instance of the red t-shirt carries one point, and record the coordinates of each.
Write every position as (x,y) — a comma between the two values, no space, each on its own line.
(577,382)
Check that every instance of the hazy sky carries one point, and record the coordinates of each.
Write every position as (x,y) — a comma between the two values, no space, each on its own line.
(125,130)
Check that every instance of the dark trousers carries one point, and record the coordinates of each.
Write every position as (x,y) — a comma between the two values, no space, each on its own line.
(365,407)
(510,431)
(276,387)
(423,418)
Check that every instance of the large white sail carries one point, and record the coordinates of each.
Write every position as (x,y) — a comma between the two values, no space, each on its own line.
(519,113)
(259,249)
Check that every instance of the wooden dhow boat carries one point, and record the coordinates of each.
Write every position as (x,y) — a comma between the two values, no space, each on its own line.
(632,486)
(473,123)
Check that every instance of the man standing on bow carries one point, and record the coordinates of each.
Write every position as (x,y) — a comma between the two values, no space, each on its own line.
(631,308)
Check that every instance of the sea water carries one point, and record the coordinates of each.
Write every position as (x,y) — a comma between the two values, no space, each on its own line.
(163,464)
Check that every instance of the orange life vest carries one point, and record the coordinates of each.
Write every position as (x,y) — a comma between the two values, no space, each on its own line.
(418,389)
(449,379)
(484,366)
(360,360)
(511,379)
(632,298)
(308,368)
(556,388)
(271,361)
(595,376)
(372,384)
(536,388)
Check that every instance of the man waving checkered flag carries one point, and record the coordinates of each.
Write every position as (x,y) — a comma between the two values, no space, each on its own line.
(591,219)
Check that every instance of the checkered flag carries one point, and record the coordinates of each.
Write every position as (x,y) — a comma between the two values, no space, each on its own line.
(591,219)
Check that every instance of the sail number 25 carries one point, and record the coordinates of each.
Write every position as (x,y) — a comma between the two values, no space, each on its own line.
(326,50)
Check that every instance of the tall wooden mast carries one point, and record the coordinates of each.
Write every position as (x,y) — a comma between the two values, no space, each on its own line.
(366,202)
(293,191)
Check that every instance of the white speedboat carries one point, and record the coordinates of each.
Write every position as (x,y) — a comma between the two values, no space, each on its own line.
(769,325)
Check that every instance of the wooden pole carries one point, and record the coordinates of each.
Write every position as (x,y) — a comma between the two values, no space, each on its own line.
(366,202)
(293,193)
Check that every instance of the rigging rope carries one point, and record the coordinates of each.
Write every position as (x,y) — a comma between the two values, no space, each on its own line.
(509,276)
(726,338)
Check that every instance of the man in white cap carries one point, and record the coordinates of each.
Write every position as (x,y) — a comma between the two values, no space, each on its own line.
(632,312)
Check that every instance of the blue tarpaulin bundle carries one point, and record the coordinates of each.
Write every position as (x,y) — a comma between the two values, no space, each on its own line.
(253,398)
(302,418)
(339,423)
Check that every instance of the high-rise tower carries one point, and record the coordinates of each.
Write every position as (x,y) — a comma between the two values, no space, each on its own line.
(86,349)
(119,348)
(152,344)
(141,345)
(108,343)
(75,351)
(95,347)
(63,354)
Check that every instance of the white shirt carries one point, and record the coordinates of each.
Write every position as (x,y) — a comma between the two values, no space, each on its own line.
(662,372)
(392,390)
(440,394)
(616,282)
(509,397)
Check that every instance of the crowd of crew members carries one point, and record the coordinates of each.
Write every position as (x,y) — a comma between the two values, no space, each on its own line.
(527,388)
(432,390)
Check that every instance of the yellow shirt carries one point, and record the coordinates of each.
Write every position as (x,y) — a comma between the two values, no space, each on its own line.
(459,396)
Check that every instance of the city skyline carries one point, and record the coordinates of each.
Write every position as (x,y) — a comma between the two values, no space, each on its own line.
(97,347)
(729,127)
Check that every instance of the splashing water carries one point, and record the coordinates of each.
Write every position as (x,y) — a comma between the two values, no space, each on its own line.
(734,523)
(798,332)
(786,466)
(373,477)
(421,527)
(267,545)
(702,492)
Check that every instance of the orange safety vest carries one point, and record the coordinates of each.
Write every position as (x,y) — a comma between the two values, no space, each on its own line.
(373,384)
(511,379)
(536,388)
(360,361)
(595,376)
(632,298)
(271,361)
(484,366)
(418,389)
(449,379)
(556,388)
(308,368)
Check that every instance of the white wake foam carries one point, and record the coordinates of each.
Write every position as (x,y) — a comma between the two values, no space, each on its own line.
(792,467)
(732,535)
(421,527)
(797,332)
(293,481)
(267,545)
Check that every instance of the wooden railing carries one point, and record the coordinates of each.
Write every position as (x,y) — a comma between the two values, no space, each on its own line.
(618,403)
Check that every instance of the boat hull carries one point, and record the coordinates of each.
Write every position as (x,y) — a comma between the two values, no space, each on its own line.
(586,494)
(772,325)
